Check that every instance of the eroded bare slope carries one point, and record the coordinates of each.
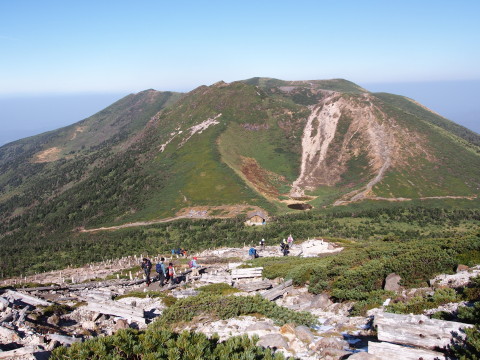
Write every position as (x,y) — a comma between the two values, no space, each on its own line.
(341,129)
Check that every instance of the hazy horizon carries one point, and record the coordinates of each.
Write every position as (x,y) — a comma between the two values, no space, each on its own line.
(29,115)
(91,51)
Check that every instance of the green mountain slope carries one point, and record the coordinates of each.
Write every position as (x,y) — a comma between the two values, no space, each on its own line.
(255,144)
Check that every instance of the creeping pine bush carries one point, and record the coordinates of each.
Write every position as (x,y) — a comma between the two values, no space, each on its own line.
(469,346)
(356,273)
(229,307)
(218,289)
(418,304)
(162,344)
(468,349)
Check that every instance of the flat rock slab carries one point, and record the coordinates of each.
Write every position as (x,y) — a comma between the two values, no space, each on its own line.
(116,308)
(416,330)
(462,278)
(389,351)
(27,299)
(254,285)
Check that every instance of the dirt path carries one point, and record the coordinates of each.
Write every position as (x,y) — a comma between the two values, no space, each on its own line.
(139,223)
(197,212)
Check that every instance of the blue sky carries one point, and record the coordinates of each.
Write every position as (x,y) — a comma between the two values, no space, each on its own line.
(114,46)
(59,47)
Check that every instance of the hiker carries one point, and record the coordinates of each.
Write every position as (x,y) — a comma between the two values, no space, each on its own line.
(194,266)
(171,273)
(252,253)
(284,247)
(290,241)
(160,269)
(262,244)
(147,267)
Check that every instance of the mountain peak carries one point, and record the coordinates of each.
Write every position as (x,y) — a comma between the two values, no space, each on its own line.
(262,143)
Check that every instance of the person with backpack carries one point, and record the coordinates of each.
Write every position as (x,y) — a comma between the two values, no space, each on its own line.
(194,266)
(147,267)
(290,241)
(160,269)
(171,273)
(253,253)
(284,247)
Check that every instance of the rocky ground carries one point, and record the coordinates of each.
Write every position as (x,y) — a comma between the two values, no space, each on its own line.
(34,321)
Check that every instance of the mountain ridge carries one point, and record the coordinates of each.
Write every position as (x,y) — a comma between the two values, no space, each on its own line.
(262,142)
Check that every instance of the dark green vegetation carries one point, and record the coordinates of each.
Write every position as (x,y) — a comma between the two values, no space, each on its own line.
(164,344)
(357,274)
(363,228)
(218,289)
(226,307)
(409,106)
(151,154)
(468,348)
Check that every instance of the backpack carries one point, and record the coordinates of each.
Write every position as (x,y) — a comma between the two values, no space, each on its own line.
(158,268)
(190,264)
(170,270)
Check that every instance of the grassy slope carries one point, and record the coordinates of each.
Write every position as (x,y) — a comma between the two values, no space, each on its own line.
(411,107)
(339,85)
(455,171)
(196,174)
(97,183)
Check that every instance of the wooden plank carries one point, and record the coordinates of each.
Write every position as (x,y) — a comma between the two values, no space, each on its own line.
(44,288)
(28,299)
(278,290)
(417,330)
(215,279)
(22,315)
(23,351)
(96,295)
(116,308)
(254,286)
(62,339)
(247,273)
(87,285)
(234,265)
(4,301)
(389,351)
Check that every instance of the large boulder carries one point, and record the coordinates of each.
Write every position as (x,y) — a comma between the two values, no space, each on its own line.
(54,320)
(392,282)
(288,329)
(321,301)
(260,326)
(273,341)
(89,325)
(304,334)
(333,354)
(121,324)
(331,342)
(363,356)
(461,267)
